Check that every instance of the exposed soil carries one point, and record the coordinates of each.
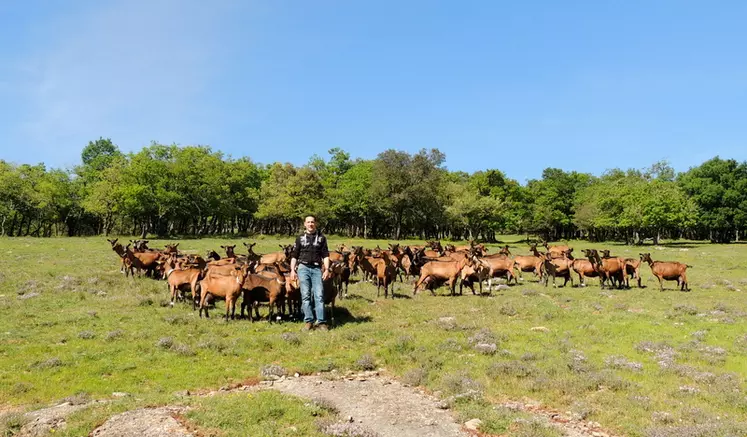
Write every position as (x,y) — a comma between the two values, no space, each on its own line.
(368,405)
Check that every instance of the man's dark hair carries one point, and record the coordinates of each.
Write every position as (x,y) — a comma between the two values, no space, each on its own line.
(310,215)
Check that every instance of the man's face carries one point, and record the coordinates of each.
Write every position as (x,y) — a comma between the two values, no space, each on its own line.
(310,225)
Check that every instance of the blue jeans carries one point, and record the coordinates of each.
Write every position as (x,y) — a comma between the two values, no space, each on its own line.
(310,280)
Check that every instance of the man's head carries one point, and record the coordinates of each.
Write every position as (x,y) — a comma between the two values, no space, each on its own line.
(310,224)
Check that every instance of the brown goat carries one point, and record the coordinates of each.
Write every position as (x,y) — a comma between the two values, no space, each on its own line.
(668,271)
(385,275)
(177,278)
(226,287)
(557,251)
(229,251)
(553,266)
(610,269)
(119,250)
(141,261)
(585,268)
(633,270)
(441,271)
(263,287)
(478,271)
(341,272)
(529,263)
(500,266)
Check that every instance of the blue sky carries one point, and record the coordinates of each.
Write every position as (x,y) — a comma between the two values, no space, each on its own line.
(518,86)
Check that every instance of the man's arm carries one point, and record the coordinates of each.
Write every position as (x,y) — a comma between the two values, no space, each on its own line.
(294,258)
(325,260)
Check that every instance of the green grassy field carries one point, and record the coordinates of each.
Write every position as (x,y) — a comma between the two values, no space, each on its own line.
(638,361)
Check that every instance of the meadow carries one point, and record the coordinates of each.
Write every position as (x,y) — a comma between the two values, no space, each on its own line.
(638,361)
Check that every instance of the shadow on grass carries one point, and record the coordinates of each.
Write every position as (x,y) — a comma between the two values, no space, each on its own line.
(343,317)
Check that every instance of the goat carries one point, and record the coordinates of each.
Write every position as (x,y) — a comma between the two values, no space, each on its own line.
(341,271)
(227,287)
(263,287)
(557,267)
(142,261)
(479,271)
(500,266)
(585,268)
(633,270)
(612,269)
(441,271)
(385,275)
(556,251)
(229,251)
(177,278)
(119,250)
(276,257)
(668,270)
(529,263)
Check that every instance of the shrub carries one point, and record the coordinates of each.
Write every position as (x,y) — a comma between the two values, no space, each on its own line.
(508,310)
(366,362)
(486,348)
(460,383)
(183,349)
(291,338)
(113,335)
(484,335)
(165,342)
(414,377)
(516,369)
(86,335)
(272,371)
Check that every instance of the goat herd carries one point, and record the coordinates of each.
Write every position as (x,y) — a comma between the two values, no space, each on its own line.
(265,278)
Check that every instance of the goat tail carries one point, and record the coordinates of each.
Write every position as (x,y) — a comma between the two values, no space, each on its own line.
(688,266)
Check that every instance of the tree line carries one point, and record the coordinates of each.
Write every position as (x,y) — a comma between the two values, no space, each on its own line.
(166,190)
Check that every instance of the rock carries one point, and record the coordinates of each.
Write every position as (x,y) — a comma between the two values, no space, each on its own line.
(500,287)
(540,329)
(146,422)
(120,394)
(473,425)
(44,421)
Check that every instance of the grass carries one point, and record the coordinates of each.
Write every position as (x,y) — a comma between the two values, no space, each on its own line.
(637,361)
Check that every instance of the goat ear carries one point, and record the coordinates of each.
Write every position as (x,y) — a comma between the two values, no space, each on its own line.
(223,247)
(176,245)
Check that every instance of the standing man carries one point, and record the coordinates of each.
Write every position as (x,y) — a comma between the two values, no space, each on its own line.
(311,255)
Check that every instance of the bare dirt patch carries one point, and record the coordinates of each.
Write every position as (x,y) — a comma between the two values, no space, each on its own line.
(381,405)
(146,422)
(367,404)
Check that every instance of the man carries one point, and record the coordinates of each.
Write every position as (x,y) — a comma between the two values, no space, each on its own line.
(311,256)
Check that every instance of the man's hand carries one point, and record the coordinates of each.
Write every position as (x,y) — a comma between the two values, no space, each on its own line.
(293,274)
(325,274)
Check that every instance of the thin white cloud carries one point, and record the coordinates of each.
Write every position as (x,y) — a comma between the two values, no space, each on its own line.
(130,69)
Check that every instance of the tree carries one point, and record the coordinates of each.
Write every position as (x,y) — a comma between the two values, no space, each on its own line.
(718,189)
